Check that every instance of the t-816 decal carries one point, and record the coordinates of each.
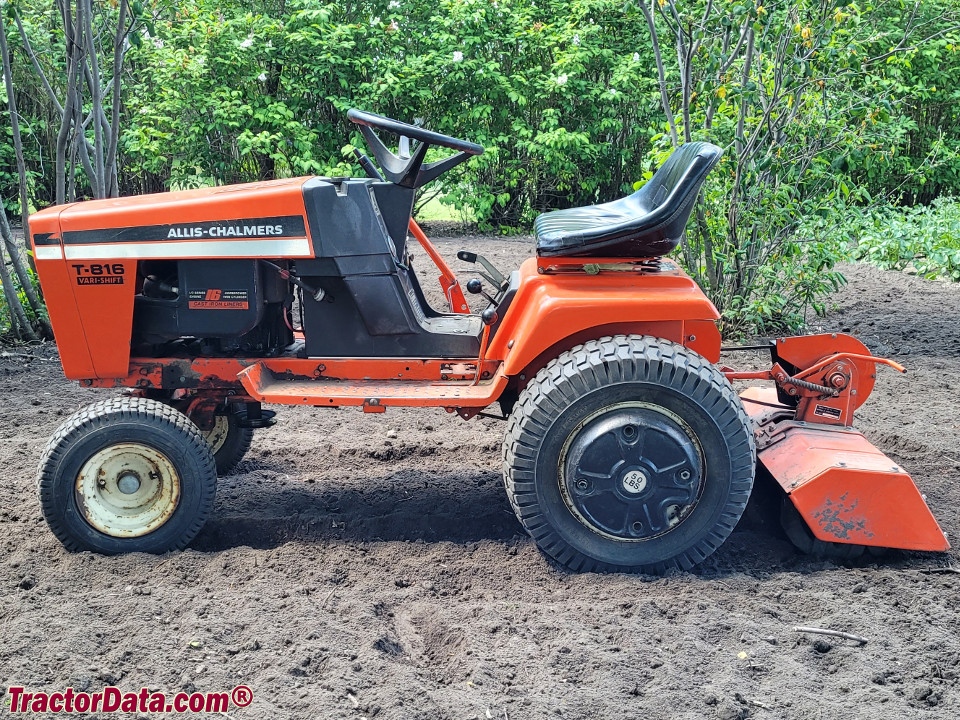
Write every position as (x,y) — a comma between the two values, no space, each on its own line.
(98,273)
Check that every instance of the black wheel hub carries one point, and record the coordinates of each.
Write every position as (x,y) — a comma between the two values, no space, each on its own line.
(632,471)
(255,419)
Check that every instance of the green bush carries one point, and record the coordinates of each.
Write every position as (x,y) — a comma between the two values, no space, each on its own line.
(917,157)
(557,92)
(204,108)
(924,239)
(9,179)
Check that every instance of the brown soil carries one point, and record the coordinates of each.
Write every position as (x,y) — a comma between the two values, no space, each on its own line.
(370,566)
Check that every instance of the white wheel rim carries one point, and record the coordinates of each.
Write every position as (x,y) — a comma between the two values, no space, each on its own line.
(216,436)
(127,490)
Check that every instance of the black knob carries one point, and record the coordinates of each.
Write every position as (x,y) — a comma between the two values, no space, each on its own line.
(474,286)
(489,316)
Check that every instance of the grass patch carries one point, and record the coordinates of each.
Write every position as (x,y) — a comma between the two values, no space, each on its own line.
(924,239)
(436,210)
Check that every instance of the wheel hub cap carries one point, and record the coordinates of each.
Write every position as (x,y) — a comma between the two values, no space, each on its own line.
(128,484)
(631,471)
(127,490)
(634,481)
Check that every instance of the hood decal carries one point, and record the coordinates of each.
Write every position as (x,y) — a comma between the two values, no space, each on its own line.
(284,226)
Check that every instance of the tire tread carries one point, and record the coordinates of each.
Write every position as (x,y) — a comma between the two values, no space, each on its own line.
(613,360)
(101,414)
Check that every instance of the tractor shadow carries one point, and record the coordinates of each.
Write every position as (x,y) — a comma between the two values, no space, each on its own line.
(436,507)
(419,506)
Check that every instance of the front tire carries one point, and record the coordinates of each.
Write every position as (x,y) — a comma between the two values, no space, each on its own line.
(629,453)
(228,441)
(127,475)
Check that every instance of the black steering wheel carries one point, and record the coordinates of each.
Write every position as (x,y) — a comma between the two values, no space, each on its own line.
(412,131)
(410,171)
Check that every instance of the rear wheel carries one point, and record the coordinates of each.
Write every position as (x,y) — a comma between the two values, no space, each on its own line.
(631,454)
(127,475)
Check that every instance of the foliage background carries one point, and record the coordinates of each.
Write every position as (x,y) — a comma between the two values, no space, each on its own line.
(566,97)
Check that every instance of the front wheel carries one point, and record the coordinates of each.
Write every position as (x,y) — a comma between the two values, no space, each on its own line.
(127,475)
(629,453)
(228,441)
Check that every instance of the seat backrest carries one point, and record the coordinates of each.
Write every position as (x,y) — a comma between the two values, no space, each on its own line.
(649,223)
(681,175)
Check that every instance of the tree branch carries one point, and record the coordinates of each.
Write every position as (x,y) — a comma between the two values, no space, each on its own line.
(661,74)
(36,64)
(118,54)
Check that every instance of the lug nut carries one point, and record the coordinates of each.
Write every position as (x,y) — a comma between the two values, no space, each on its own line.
(684,474)
(582,484)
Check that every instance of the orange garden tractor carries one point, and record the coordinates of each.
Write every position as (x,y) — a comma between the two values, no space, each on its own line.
(626,447)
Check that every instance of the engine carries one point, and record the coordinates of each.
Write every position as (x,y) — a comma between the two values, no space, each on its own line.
(216,306)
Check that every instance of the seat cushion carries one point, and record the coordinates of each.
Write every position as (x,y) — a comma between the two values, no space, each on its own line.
(646,224)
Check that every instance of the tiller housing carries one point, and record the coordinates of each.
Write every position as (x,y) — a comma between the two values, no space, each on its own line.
(626,447)
(845,489)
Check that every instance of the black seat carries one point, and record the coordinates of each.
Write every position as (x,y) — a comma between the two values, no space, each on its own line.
(647,224)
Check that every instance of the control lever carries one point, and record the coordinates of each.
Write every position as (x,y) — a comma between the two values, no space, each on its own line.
(492,274)
(368,167)
(488,316)
(475,287)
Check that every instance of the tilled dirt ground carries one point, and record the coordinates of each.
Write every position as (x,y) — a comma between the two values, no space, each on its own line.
(370,566)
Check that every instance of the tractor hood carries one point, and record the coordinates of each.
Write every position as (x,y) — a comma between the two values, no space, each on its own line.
(88,254)
(249,220)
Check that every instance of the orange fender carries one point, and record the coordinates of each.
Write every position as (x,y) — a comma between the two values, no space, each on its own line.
(554,311)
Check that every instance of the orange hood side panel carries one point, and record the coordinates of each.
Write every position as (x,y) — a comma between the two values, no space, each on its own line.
(106,311)
(58,293)
(550,308)
(222,202)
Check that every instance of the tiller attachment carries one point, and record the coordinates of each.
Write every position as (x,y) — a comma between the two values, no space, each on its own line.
(844,488)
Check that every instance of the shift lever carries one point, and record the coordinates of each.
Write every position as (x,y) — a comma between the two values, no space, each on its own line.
(475,287)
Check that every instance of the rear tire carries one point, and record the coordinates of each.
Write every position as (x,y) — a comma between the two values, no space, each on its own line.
(588,484)
(127,475)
